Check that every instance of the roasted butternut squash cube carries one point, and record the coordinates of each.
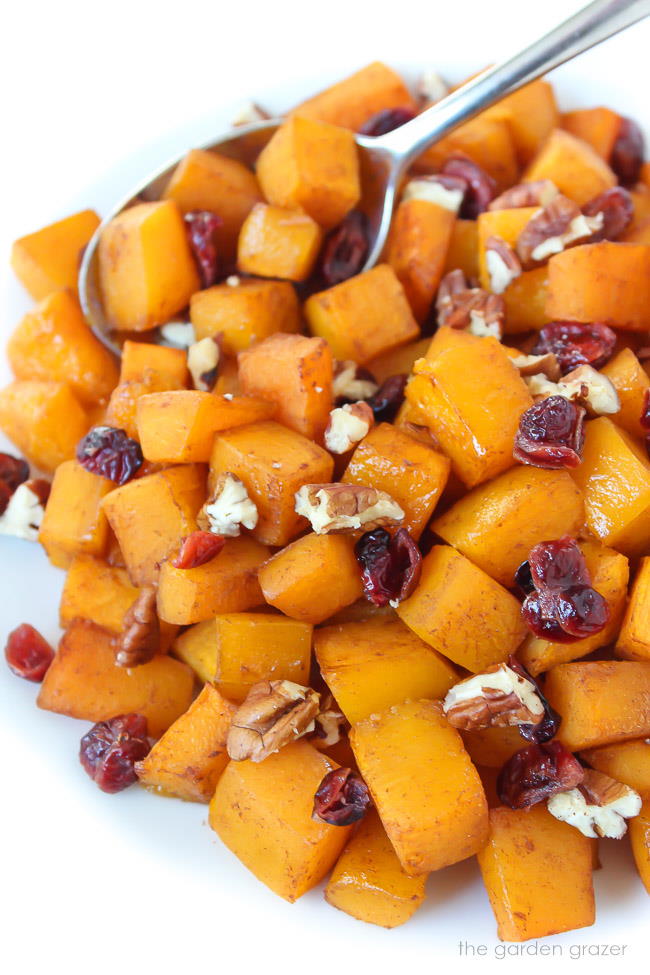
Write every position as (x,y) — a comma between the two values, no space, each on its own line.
(634,639)
(573,165)
(614,478)
(45,421)
(191,755)
(487,141)
(463,248)
(146,269)
(538,874)
(263,813)
(273,462)
(372,665)
(476,431)
(417,250)
(295,374)
(632,383)
(368,881)
(640,840)
(601,701)
(427,792)
(606,282)
(74,522)
(352,101)
(463,613)
(122,408)
(525,301)
(206,180)
(364,316)
(226,584)
(498,523)
(245,311)
(626,761)
(413,474)
(492,747)
(151,514)
(141,359)
(312,578)
(278,243)
(48,260)
(597,126)
(531,114)
(398,360)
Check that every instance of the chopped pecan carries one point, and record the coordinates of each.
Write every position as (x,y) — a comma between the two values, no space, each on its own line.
(352,382)
(497,698)
(228,508)
(139,641)
(553,229)
(329,723)
(247,113)
(537,193)
(274,714)
(203,362)
(346,507)
(348,424)
(431,87)
(584,385)
(447,192)
(598,806)
(535,365)
(503,265)
(459,306)
(178,334)
(25,508)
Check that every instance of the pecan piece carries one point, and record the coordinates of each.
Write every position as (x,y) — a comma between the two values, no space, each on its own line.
(329,724)
(352,382)
(274,714)
(348,425)
(545,364)
(459,306)
(554,228)
(585,386)
(497,698)
(203,359)
(228,508)
(447,192)
(503,265)
(537,193)
(598,806)
(431,87)
(139,641)
(346,507)
(25,508)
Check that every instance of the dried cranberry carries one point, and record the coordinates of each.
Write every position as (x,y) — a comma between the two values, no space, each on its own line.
(197,549)
(551,434)
(202,226)
(558,565)
(5,496)
(345,249)
(28,653)
(549,725)
(481,188)
(108,451)
(617,208)
(13,471)
(627,155)
(342,798)
(389,397)
(576,344)
(645,412)
(391,567)
(386,120)
(109,751)
(536,773)
(523,578)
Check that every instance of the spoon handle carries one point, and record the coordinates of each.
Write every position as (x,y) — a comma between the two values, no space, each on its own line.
(591,25)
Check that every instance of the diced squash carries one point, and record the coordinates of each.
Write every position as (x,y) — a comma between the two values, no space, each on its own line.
(74,522)
(634,639)
(312,578)
(245,312)
(463,248)
(525,301)
(601,702)
(626,761)
(44,420)
(364,316)
(122,409)
(573,165)
(141,359)
(275,242)
(368,881)
(397,361)
(226,584)
(492,747)
(355,99)
(417,250)
(531,115)
(487,141)
(190,757)
(273,462)
(597,126)
(426,790)
(146,269)
(48,260)
(85,682)
(538,874)
(96,591)
(370,666)
(631,382)
(151,514)
(414,475)
(263,813)
(463,613)
(640,840)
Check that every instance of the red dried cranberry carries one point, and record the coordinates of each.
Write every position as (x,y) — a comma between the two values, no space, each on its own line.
(536,773)
(28,653)
(481,188)
(13,471)
(108,451)
(5,496)
(202,226)
(342,798)
(565,615)
(109,751)
(391,567)
(627,155)
(576,344)
(197,549)
(551,434)
(549,725)
(345,249)
(558,565)
(617,208)
(523,579)
(645,412)
(386,121)
(389,397)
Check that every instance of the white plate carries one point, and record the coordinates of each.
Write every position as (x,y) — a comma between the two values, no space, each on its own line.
(106,882)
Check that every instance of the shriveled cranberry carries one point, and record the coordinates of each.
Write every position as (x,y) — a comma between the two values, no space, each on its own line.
(645,412)
(389,397)
(202,226)
(627,155)
(551,434)
(197,549)
(342,798)
(536,773)
(5,496)
(576,344)
(108,451)
(549,725)
(345,249)
(617,208)
(13,471)
(28,653)
(523,578)
(558,564)
(390,566)
(481,188)
(386,120)
(109,751)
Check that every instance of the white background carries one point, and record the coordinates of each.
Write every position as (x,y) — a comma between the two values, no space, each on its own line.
(95,95)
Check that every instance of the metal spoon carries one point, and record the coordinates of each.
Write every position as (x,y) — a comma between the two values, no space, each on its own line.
(384,159)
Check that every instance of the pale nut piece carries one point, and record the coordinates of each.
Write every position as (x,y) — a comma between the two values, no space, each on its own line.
(447,192)
(139,641)
(554,228)
(178,334)
(535,365)
(346,507)
(431,87)
(497,698)
(247,113)
(503,265)
(599,806)
(348,425)
(329,724)
(537,193)
(351,382)
(203,362)
(473,309)
(228,508)
(274,714)
(585,386)
(24,513)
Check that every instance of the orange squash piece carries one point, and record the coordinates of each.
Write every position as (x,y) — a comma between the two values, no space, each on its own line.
(275,242)
(631,382)
(44,420)
(463,248)
(597,126)
(417,250)
(74,522)
(96,591)
(640,840)
(492,747)
(245,311)
(142,359)
(352,101)
(525,301)
(573,165)
(626,761)
(122,408)
(48,260)
(634,639)
(397,360)
(487,141)
(531,114)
